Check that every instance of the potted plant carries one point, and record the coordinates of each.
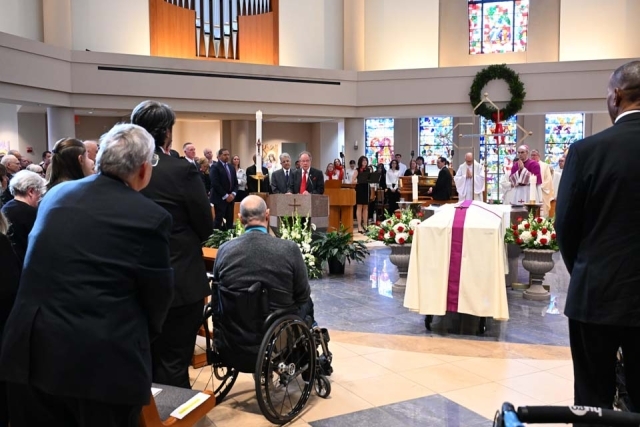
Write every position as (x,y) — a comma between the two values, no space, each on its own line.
(537,238)
(337,247)
(218,237)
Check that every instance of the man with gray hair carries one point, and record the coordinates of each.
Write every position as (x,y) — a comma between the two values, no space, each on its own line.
(280,179)
(92,148)
(96,285)
(307,180)
(27,188)
(12,164)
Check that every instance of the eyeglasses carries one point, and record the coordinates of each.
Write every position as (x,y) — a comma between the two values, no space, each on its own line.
(154,160)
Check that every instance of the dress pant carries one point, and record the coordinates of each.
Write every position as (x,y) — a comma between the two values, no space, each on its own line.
(30,406)
(224,211)
(172,351)
(593,350)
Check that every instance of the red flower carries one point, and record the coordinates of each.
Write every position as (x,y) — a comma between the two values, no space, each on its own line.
(519,219)
(410,232)
(515,234)
(401,229)
(378,223)
(401,241)
(553,235)
(420,215)
(519,241)
(526,226)
(539,220)
(534,233)
(398,215)
(544,230)
(392,234)
(543,241)
(514,227)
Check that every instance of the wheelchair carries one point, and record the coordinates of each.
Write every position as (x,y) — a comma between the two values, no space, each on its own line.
(287,356)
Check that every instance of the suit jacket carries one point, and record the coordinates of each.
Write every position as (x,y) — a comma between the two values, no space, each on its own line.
(96,283)
(10,265)
(279,183)
(315,181)
(176,186)
(442,189)
(21,216)
(596,215)
(252,183)
(220,183)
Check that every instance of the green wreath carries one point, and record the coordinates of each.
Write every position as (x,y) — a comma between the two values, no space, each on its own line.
(516,89)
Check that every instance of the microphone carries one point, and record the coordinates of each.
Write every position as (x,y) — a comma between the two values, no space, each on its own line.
(341,155)
(413,153)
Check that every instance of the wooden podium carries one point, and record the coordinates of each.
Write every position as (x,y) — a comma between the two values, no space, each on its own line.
(313,205)
(341,203)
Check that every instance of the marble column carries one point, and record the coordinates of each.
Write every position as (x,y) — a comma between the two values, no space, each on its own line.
(60,124)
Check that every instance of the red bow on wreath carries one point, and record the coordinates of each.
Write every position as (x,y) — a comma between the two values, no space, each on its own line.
(497,118)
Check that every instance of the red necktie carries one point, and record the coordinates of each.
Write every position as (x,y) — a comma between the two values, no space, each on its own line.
(303,184)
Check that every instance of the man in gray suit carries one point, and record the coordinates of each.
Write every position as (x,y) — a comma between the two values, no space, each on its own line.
(281,178)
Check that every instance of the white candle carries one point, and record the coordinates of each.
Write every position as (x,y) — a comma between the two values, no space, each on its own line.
(533,191)
(259,142)
(414,187)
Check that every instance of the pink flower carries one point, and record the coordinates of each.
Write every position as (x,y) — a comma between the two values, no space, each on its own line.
(519,219)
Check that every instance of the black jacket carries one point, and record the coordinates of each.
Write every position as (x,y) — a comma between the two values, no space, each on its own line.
(596,224)
(442,189)
(315,181)
(220,184)
(252,183)
(21,216)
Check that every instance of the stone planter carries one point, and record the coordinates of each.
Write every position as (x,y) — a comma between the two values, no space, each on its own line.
(400,258)
(537,262)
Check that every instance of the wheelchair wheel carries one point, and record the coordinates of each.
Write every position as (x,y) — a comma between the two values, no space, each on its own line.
(285,370)
(323,386)
(226,378)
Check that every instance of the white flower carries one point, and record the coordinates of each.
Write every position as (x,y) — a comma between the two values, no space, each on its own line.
(546,237)
(403,236)
(400,228)
(414,223)
(387,236)
(521,225)
(526,236)
(313,226)
(387,223)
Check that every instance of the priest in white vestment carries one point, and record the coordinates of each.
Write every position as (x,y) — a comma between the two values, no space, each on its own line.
(521,172)
(557,175)
(469,179)
(546,188)
(458,262)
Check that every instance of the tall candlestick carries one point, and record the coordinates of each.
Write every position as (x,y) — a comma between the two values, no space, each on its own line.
(533,191)
(259,142)
(414,187)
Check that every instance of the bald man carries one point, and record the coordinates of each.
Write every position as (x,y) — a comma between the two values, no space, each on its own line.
(92,149)
(596,216)
(469,179)
(521,172)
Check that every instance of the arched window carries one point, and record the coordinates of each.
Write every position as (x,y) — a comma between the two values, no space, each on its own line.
(378,135)
(435,139)
(560,131)
(498,26)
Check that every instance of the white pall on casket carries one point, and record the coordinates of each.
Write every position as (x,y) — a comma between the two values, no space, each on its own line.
(466,276)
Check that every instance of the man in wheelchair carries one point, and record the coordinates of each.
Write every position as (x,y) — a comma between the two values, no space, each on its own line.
(259,279)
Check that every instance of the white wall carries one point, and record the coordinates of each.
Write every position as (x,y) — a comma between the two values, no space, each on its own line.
(201,133)
(32,132)
(116,26)
(311,33)
(9,126)
(596,29)
(401,34)
(600,122)
(22,18)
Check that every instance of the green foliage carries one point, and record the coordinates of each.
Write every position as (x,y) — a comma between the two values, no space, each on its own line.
(516,89)
(218,237)
(339,244)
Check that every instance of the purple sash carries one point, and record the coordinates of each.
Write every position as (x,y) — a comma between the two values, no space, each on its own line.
(455,257)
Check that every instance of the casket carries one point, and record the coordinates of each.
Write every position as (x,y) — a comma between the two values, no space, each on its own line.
(458,262)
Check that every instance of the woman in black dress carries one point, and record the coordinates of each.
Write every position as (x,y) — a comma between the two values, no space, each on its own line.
(361,177)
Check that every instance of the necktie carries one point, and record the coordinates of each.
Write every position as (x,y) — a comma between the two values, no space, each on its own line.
(303,184)
(286,177)
(226,165)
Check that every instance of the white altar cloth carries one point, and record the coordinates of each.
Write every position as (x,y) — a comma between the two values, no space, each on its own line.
(479,288)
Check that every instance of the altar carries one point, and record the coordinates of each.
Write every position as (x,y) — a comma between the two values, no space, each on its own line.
(458,262)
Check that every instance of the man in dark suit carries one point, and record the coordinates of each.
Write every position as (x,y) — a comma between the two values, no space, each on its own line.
(307,180)
(252,183)
(224,186)
(177,187)
(442,189)
(94,292)
(596,215)
(280,179)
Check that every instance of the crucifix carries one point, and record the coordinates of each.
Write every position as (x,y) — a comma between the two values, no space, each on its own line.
(295,206)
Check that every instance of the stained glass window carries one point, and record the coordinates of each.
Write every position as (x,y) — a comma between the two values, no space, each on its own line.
(498,26)
(435,138)
(378,135)
(560,131)
(497,153)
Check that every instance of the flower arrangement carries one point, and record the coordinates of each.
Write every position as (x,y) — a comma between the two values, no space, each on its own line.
(397,228)
(218,237)
(532,233)
(292,228)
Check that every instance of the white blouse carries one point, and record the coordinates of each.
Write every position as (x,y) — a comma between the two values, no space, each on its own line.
(393,176)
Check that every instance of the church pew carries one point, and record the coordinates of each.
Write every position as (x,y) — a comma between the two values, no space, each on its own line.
(156,413)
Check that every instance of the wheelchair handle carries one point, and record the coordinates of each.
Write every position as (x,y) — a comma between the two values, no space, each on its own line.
(509,417)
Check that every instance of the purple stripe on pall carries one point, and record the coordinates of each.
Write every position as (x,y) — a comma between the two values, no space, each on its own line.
(455,257)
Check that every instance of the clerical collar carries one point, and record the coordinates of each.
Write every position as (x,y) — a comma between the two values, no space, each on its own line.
(626,113)
(256,228)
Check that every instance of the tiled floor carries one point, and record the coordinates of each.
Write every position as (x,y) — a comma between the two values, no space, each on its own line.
(390,371)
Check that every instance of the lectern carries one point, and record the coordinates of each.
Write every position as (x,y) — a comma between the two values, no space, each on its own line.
(312,205)
(341,203)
